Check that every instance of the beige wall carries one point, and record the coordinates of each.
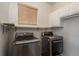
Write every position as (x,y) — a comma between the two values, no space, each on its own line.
(59,5)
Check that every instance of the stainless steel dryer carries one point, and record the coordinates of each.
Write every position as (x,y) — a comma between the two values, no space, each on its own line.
(52,45)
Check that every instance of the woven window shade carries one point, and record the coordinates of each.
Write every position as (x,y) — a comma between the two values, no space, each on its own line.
(27,15)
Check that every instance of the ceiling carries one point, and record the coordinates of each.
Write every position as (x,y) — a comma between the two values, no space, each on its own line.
(51,3)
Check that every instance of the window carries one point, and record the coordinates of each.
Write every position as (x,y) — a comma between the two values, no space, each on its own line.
(27,15)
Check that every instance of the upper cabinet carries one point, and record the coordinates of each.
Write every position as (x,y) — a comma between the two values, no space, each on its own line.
(55,18)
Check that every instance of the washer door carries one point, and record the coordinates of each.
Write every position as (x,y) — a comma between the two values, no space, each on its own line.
(29,49)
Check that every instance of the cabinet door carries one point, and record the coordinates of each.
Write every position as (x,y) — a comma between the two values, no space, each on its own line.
(4,11)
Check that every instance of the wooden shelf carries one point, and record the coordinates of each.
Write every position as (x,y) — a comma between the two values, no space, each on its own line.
(35,27)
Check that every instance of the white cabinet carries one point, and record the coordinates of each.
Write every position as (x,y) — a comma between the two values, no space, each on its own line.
(13,13)
(8,12)
(4,12)
(55,17)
